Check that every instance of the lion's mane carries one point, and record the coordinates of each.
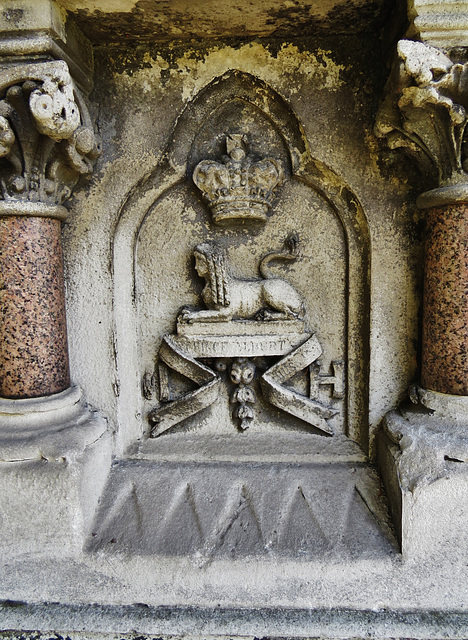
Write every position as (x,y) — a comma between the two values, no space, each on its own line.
(217,280)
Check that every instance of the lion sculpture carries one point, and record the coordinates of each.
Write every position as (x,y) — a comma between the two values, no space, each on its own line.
(229,298)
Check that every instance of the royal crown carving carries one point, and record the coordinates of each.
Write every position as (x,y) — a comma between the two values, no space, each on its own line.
(241,187)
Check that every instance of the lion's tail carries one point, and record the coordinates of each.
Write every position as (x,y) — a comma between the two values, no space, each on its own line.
(290,252)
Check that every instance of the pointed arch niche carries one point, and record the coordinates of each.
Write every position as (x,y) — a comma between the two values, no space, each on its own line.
(164,218)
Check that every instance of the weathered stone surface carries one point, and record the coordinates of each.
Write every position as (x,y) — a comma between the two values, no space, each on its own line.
(152,19)
(130,150)
(167,622)
(423,460)
(224,103)
(241,504)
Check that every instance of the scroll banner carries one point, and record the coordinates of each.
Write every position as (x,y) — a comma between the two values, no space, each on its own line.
(178,356)
(171,413)
(289,400)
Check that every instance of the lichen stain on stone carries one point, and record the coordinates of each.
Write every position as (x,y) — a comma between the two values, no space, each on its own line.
(288,66)
(13,16)
(339,18)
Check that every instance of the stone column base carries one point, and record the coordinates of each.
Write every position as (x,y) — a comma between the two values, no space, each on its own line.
(423,456)
(54,458)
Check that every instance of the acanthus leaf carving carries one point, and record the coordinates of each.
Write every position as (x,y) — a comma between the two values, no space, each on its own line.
(46,137)
(424,110)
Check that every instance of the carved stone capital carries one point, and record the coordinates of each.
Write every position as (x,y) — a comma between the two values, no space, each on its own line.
(424,111)
(46,136)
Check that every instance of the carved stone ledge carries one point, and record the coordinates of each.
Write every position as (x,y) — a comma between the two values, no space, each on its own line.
(441,23)
(32,209)
(443,196)
(29,29)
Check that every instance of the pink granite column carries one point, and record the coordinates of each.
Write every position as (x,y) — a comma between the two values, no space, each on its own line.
(445,304)
(33,334)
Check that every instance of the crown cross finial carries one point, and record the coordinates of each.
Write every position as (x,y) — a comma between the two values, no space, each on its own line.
(240,187)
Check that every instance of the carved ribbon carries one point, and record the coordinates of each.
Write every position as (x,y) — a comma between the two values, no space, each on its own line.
(171,412)
(291,401)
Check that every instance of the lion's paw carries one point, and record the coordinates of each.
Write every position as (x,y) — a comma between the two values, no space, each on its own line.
(186,316)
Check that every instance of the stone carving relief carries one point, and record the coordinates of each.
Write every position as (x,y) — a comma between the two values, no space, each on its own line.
(231,298)
(242,374)
(46,136)
(181,374)
(248,308)
(241,187)
(425,110)
(244,319)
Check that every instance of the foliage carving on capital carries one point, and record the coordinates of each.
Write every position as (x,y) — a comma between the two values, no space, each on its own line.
(425,111)
(47,139)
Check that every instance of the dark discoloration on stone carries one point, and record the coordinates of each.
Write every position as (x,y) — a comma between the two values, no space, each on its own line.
(14,16)
(33,336)
(445,318)
(300,19)
(161,20)
(354,53)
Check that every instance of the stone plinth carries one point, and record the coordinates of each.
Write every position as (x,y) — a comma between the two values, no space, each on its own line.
(423,457)
(55,455)
(237,496)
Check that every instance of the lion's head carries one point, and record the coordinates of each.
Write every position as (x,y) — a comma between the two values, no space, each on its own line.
(210,263)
